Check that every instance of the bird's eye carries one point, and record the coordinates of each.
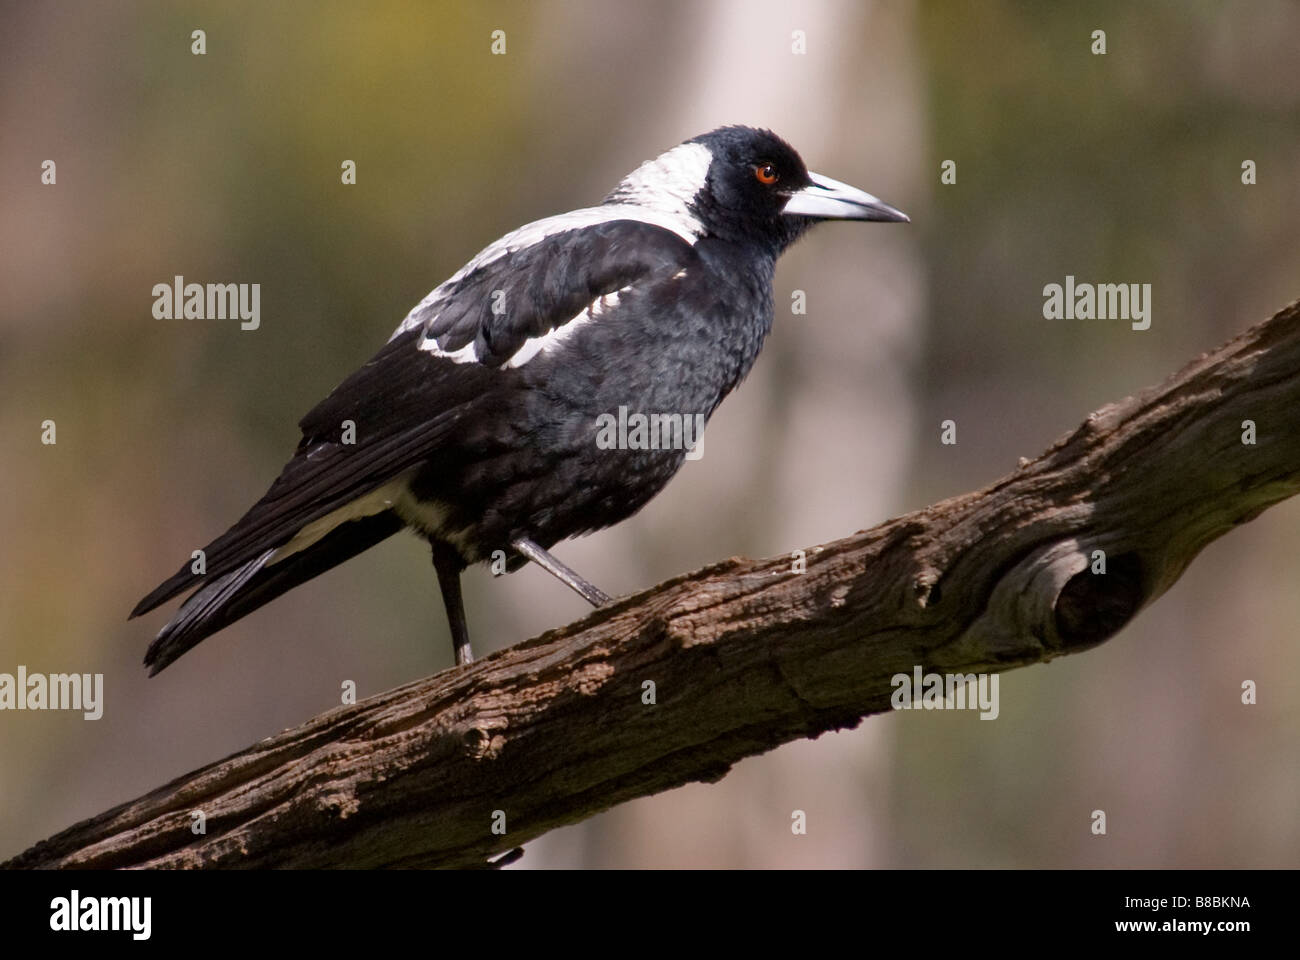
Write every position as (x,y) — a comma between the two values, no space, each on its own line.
(766,174)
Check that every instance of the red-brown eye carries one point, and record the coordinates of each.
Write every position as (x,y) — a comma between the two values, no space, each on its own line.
(766,174)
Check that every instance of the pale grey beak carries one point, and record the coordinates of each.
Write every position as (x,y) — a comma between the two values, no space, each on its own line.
(828,199)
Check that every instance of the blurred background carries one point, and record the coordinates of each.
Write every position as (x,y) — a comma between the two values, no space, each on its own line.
(225,167)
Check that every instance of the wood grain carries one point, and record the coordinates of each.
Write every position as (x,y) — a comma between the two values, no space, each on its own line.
(745,655)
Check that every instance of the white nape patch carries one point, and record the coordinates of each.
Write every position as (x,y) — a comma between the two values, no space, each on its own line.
(426,516)
(669,183)
(676,219)
(554,337)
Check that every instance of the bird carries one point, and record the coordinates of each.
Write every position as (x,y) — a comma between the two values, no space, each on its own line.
(477,425)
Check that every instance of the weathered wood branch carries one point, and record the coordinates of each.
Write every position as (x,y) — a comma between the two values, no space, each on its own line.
(746,655)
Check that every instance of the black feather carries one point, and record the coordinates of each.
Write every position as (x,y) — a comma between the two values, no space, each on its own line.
(533,290)
(655,303)
(225,599)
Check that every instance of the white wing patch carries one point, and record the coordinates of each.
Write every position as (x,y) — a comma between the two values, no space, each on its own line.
(466,354)
(533,346)
(556,336)
(679,221)
(660,192)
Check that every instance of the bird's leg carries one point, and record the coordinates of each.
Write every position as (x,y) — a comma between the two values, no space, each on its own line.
(448,563)
(554,567)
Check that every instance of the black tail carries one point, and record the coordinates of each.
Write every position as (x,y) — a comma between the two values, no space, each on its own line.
(225,599)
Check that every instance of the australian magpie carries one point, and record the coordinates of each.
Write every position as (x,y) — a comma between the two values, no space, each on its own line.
(477,424)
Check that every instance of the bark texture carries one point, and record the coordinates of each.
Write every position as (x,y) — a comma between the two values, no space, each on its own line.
(745,655)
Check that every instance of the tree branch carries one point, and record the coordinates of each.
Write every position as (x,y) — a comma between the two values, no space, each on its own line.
(745,655)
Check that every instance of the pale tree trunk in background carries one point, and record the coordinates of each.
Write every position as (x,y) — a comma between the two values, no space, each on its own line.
(819,436)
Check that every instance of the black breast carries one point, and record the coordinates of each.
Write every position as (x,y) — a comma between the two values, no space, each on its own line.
(586,433)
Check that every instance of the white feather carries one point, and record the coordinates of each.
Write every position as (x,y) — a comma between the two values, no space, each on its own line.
(668,184)
(427,516)
(425,312)
(553,338)
(659,192)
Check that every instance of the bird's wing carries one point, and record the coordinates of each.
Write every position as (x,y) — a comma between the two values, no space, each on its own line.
(392,413)
(401,407)
(510,294)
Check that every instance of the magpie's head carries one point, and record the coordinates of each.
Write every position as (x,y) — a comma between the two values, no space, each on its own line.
(746,185)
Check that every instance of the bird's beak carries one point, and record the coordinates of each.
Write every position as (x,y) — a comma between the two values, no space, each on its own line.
(828,199)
